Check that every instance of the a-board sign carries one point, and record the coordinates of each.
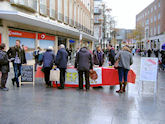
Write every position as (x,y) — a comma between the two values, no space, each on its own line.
(27,73)
(149,69)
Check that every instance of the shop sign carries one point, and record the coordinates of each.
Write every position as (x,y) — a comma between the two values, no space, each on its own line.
(42,36)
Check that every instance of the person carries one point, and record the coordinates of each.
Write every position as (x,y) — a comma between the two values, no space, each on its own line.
(149,52)
(98,57)
(84,63)
(36,55)
(133,51)
(17,56)
(4,67)
(111,55)
(61,62)
(156,53)
(125,61)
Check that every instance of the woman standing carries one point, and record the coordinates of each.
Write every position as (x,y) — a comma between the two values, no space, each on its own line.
(125,61)
(4,67)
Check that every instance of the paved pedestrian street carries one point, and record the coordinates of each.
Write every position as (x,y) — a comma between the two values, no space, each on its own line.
(40,105)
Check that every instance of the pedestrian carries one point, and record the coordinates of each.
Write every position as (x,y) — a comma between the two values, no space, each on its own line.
(133,51)
(111,55)
(48,61)
(17,56)
(84,64)
(36,55)
(98,57)
(149,52)
(4,67)
(61,62)
(156,53)
(125,61)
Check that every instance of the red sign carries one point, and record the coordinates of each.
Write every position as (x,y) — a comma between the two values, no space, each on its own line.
(45,37)
(0,39)
(16,33)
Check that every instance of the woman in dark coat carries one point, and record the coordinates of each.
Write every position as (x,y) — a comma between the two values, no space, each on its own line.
(4,67)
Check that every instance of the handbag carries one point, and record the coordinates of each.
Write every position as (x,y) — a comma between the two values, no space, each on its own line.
(116,65)
(55,75)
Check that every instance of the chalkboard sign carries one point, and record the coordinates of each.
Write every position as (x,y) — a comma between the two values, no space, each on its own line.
(27,73)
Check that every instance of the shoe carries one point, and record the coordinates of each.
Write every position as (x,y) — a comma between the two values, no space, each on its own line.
(5,89)
(121,89)
(17,85)
(13,81)
(60,88)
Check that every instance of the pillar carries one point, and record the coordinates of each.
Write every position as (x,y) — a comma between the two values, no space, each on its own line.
(5,35)
(36,41)
(67,43)
(56,44)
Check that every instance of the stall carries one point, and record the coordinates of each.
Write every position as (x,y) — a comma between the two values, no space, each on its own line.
(101,77)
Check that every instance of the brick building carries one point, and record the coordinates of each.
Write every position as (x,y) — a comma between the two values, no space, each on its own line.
(47,23)
(152,21)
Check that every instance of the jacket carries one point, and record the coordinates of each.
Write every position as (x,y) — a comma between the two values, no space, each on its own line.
(83,60)
(96,58)
(4,67)
(62,58)
(48,59)
(126,59)
(111,56)
(12,54)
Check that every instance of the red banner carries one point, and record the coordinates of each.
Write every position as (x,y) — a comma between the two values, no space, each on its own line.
(42,36)
(16,33)
(0,39)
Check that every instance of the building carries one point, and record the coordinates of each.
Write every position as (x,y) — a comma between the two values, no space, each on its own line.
(47,23)
(152,21)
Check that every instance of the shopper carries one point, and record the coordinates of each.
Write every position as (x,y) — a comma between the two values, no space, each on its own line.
(36,55)
(61,62)
(149,52)
(4,67)
(125,61)
(48,61)
(111,55)
(98,57)
(17,56)
(84,63)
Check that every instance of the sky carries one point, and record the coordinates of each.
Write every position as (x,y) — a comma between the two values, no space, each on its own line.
(125,11)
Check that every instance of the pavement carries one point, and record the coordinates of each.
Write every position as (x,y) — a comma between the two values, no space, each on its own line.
(40,105)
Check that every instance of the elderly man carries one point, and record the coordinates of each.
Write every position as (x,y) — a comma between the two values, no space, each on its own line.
(61,62)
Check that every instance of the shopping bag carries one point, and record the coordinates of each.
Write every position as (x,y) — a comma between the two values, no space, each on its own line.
(55,75)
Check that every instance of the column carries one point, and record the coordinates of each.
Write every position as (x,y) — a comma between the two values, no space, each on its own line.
(36,41)
(5,35)
(56,44)
(67,43)
(77,44)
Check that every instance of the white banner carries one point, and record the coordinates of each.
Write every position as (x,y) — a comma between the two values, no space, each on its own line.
(149,69)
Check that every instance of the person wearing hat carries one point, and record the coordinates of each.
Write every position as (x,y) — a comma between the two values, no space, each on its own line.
(48,61)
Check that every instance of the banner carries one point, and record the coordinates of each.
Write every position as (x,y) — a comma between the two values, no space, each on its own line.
(149,69)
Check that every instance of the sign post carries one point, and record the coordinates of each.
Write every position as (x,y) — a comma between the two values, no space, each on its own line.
(149,71)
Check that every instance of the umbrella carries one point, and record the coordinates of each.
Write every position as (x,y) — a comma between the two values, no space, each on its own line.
(163,47)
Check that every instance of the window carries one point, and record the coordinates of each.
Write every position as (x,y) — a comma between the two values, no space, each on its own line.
(78,14)
(147,21)
(151,9)
(66,11)
(70,11)
(155,30)
(159,16)
(159,4)
(52,8)
(155,7)
(60,10)
(75,14)
(152,19)
(151,31)
(43,7)
(155,18)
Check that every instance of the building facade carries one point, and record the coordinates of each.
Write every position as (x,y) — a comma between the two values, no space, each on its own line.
(47,23)
(152,21)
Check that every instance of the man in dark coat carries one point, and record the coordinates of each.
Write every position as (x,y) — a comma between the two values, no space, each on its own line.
(149,52)
(98,57)
(111,55)
(17,56)
(4,67)
(61,62)
(84,63)
(48,61)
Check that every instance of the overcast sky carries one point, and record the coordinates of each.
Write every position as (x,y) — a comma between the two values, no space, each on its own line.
(125,11)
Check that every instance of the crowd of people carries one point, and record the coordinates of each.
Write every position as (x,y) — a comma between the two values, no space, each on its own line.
(85,60)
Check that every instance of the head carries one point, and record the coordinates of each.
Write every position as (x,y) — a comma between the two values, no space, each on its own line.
(62,46)
(2,47)
(98,48)
(38,48)
(17,43)
(126,48)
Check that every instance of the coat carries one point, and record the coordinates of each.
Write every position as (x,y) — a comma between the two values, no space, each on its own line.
(12,54)
(111,56)
(96,58)
(4,67)
(62,58)
(48,59)
(84,60)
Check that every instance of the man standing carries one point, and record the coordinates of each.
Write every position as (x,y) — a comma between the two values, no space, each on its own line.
(111,55)
(61,62)
(84,63)
(149,52)
(17,56)
(98,57)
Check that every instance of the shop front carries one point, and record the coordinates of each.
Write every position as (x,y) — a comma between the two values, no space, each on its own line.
(27,40)
(46,40)
(62,40)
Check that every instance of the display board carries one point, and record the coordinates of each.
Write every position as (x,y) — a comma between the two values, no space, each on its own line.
(149,69)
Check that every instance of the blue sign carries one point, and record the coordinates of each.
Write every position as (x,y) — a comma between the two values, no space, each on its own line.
(71,41)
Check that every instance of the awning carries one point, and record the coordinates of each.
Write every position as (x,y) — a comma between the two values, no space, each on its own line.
(43,23)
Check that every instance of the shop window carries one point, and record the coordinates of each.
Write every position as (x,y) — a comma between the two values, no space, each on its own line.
(52,8)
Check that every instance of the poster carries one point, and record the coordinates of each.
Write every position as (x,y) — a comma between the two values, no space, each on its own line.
(149,69)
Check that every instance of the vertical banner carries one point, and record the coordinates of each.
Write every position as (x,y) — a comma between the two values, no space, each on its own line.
(149,69)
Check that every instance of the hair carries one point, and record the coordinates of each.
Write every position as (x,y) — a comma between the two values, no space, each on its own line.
(18,41)
(62,46)
(2,46)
